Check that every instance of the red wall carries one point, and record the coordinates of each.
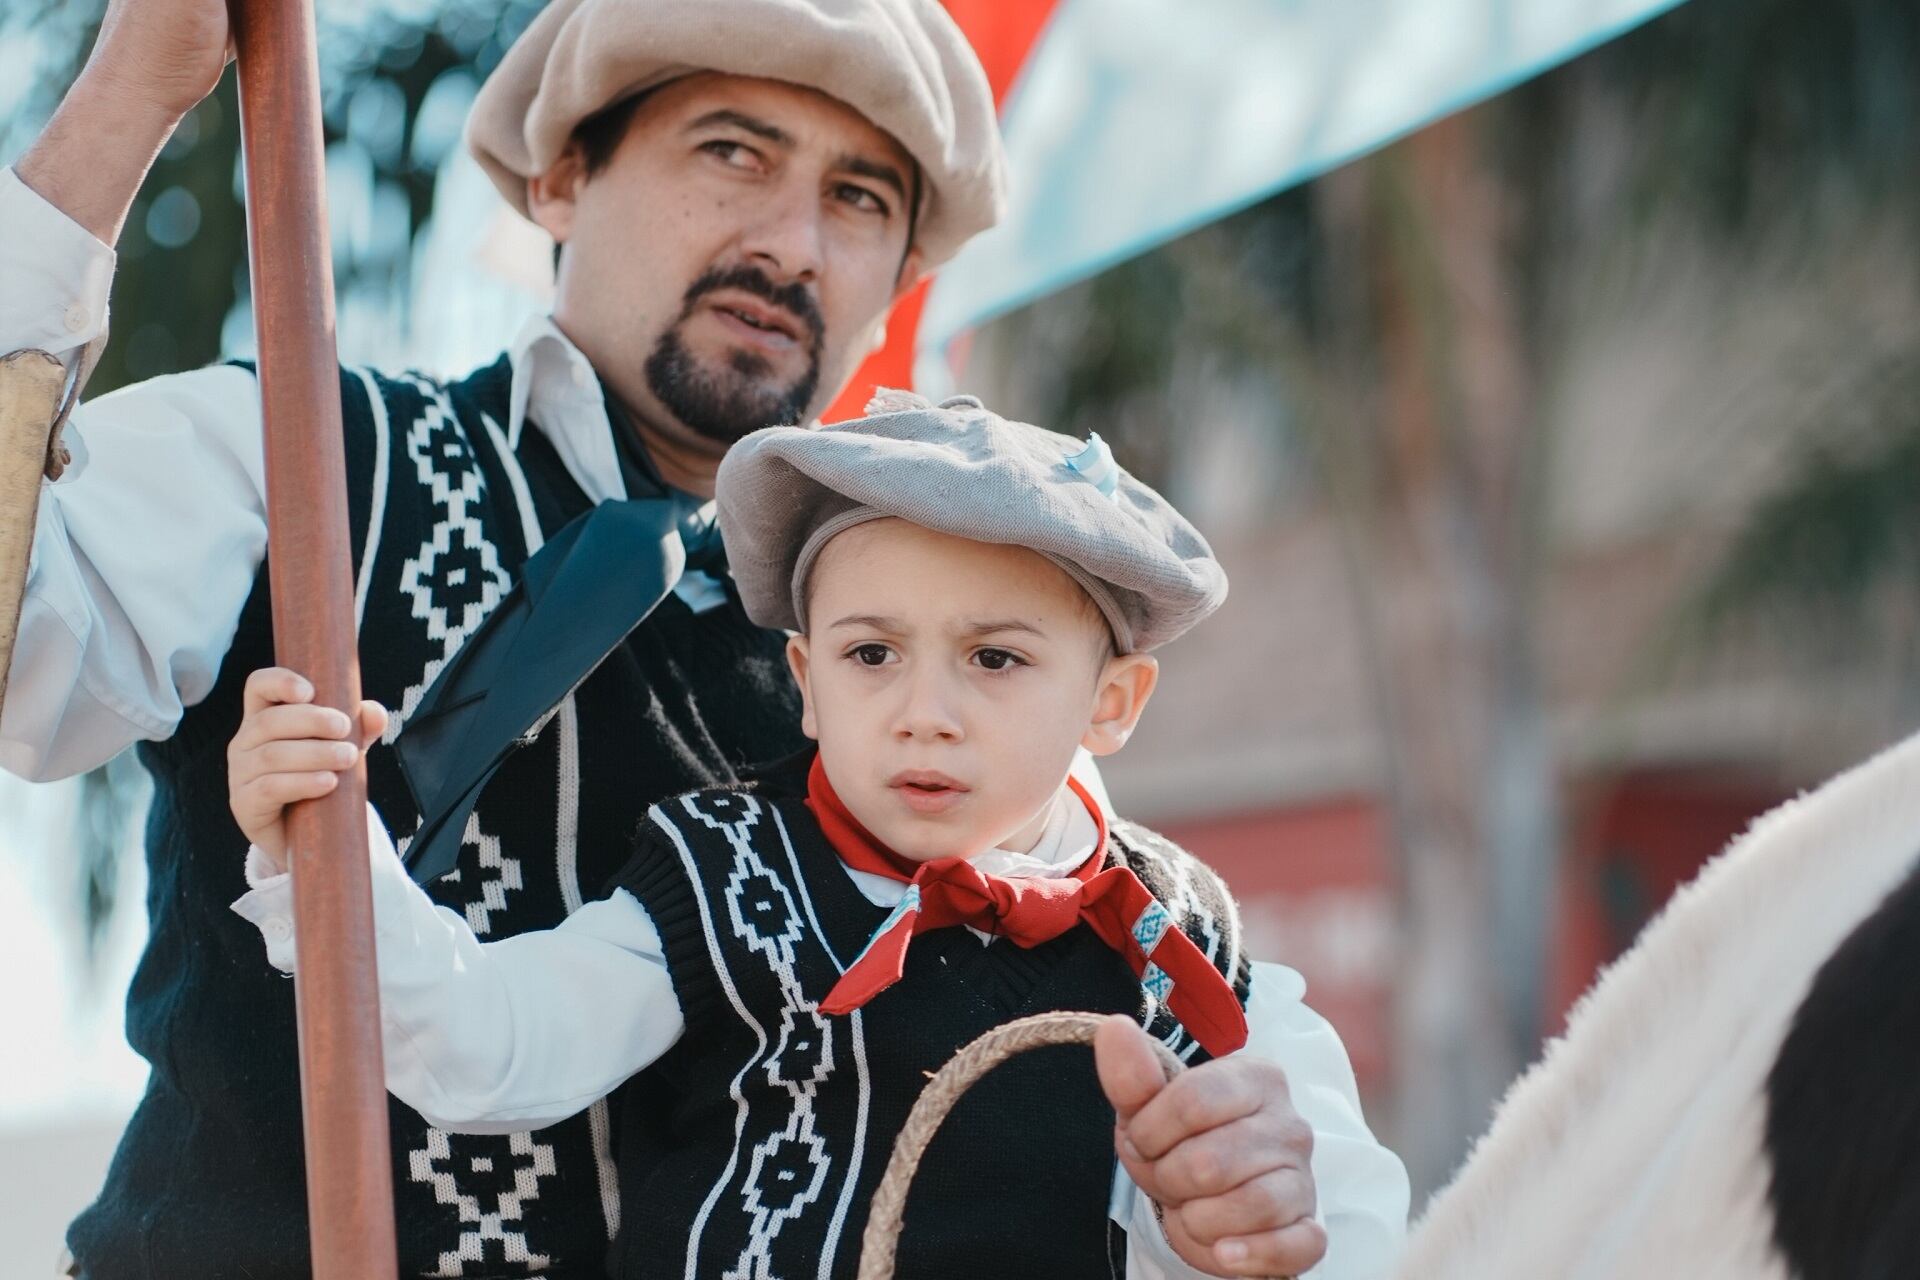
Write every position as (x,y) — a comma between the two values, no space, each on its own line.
(1314,884)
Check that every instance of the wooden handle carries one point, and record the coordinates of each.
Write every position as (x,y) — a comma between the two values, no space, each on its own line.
(30,386)
(342,1084)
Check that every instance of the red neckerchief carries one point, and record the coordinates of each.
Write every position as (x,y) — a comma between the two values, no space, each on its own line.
(1030,910)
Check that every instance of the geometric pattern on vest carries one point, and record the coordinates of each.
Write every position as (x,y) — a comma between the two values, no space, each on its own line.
(753,1148)
(443,511)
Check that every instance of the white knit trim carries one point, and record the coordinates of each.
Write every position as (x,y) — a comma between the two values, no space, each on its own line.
(376,519)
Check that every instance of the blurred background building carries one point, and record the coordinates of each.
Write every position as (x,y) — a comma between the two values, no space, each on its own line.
(1564,455)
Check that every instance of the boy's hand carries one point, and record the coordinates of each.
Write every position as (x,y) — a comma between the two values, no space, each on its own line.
(1221,1150)
(288,750)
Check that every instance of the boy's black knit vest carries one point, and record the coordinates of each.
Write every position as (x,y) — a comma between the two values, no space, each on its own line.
(754,1147)
(444,509)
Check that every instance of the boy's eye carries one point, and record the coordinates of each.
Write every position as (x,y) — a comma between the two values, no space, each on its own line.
(871,655)
(998,659)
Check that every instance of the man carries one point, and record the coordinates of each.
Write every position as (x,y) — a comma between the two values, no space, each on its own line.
(741,189)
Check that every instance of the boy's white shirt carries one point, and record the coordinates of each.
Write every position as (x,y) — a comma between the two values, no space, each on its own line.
(525,1031)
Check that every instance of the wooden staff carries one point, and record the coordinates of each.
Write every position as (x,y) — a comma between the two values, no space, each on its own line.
(343,1089)
(30,383)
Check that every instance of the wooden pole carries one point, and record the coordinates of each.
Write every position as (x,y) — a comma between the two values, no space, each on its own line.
(30,383)
(343,1089)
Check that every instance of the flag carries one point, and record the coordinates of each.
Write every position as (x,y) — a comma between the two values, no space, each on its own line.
(1130,122)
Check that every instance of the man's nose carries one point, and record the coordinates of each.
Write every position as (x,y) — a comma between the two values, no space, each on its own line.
(786,240)
(927,711)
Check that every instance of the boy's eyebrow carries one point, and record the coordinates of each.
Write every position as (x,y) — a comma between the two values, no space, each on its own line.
(869,622)
(741,120)
(997,625)
(894,626)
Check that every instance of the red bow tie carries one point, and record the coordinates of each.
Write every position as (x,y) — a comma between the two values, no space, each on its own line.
(1029,910)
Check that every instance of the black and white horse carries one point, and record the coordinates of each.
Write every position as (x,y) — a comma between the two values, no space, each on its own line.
(1739,1095)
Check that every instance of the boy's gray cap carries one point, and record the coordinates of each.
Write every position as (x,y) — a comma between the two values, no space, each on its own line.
(903,64)
(957,468)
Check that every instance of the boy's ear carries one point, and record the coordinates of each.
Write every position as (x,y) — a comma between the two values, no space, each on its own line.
(1126,682)
(799,661)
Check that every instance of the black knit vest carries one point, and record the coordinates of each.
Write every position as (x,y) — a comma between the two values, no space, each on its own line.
(753,1148)
(444,509)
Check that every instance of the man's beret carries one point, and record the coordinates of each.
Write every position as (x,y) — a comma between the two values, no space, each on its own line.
(960,469)
(902,64)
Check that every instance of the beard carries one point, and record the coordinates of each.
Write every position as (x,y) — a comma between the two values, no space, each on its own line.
(723,400)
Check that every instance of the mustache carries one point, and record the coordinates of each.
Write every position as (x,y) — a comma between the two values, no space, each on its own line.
(793,298)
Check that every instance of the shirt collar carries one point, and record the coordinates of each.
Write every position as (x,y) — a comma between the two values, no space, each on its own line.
(556,388)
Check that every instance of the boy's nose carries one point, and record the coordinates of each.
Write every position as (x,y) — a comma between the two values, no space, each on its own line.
(926,714)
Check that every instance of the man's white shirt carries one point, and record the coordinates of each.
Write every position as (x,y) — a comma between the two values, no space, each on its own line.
(119,634)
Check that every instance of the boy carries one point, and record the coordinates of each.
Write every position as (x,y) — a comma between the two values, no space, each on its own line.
(776,968)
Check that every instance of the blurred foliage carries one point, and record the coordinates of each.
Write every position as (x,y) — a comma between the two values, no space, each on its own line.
(1745,120)
(397,79)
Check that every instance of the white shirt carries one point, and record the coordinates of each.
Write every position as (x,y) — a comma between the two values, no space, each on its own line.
(119,635)
(523,1032)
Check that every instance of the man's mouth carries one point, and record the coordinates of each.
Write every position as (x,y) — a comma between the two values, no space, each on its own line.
(773,322)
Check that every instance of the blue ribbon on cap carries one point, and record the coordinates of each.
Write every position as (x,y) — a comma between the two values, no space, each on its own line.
(1096,463)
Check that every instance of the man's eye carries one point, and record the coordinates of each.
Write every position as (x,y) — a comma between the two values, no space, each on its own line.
(871,655)
(861,198)
(998,659)
(733,153)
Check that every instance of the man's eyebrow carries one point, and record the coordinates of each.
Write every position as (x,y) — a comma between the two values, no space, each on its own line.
(741,120)
(862,167)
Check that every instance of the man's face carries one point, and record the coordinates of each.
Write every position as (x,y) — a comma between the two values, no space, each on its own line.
(734,260)
(949,682)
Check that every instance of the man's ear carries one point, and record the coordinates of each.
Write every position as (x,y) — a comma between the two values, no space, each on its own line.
(799,661)
(912,272)
(1126,682)
(553,196)
(910,278)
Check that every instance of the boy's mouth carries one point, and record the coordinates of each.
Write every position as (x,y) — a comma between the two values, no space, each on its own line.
(927,790)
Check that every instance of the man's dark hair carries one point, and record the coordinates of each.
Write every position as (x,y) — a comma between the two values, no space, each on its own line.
(600,134)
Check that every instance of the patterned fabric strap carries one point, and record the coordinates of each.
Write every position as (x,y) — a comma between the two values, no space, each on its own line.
(1111,900)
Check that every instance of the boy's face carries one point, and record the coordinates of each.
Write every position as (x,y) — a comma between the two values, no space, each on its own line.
(948,683)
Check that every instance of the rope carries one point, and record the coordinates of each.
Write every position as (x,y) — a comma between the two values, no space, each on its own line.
(962,1072)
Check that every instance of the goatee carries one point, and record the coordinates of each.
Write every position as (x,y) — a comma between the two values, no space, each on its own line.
(725,403)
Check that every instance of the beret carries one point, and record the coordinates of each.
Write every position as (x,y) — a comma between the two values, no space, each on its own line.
(902,64)
(960,469)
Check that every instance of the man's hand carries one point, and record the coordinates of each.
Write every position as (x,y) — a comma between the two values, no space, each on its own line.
(1221,1150)
(167,54)
(154,61)
(289,750)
